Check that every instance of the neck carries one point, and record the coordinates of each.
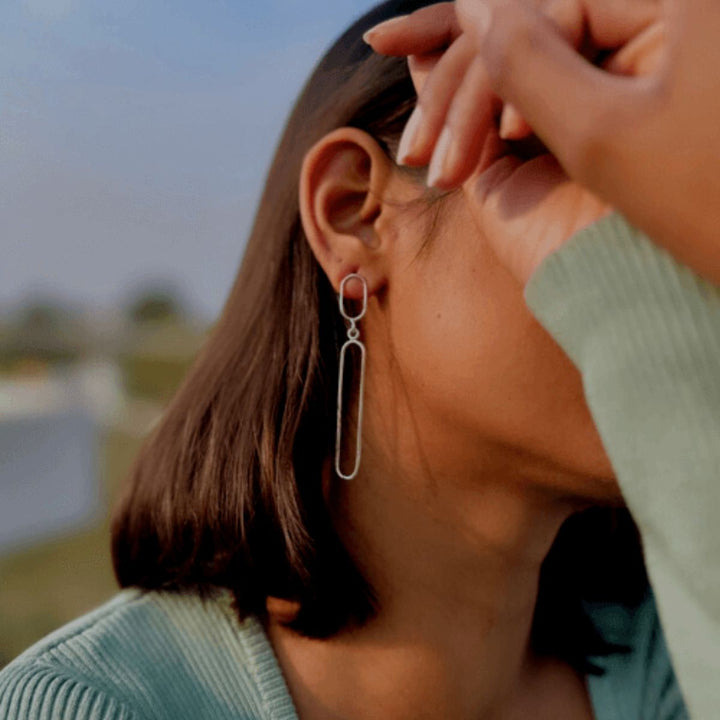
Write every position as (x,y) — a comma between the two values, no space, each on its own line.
(454,558)
(456,606)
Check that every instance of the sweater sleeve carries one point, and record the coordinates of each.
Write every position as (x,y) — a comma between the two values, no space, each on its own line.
(644,332)
(34,692)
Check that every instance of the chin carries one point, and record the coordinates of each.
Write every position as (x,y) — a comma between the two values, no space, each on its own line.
(602,491)
(594,482)
(581,453)
(580,469)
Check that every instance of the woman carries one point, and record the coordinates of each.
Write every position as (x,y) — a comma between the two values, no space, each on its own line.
(478,564)
(629,139)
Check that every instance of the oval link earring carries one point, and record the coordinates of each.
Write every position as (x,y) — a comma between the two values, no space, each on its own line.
(353,335)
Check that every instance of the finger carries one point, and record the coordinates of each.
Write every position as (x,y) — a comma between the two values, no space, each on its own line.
(569,19)
(590,26)
(564,98)
(470,119)
(420,67)
(642,55)
(568,16)
(428,118)
(612,23)
(513,125)
(423,31)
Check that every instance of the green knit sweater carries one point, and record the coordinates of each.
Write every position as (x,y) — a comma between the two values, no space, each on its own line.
(645,333)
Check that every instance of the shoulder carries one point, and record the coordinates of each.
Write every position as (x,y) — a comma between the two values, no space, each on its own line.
(149,655)
(639,682)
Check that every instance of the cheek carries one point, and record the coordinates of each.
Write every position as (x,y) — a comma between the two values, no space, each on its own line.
(468,343)
(472,355)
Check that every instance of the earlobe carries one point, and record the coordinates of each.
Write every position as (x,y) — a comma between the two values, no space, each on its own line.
(342,189)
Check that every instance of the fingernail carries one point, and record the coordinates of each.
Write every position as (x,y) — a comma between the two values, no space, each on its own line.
(440,157)
(409,136)
(510,123)
(369,35)
(382,27)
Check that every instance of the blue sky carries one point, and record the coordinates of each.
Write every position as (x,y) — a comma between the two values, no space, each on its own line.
(135,135)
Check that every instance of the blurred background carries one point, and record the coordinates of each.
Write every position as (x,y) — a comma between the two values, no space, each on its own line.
(134,139)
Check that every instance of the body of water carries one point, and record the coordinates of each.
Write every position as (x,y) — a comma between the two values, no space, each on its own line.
(48,475)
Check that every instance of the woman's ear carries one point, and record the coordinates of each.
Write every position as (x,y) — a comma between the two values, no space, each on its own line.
(343,185)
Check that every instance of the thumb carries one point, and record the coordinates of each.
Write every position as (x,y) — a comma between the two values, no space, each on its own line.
(565,99)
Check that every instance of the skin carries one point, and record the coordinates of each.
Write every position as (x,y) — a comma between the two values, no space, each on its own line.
(535,207)
(477,445)
(477,440)
(644,141)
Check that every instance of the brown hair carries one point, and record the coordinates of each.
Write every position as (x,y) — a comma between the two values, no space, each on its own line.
(227,491)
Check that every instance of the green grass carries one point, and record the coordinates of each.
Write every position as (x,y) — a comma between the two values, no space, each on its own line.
(49,584)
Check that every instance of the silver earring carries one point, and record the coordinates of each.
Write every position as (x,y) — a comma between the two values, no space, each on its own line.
(353,335)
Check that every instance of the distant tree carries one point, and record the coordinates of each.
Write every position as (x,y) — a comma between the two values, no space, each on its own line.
(156,305)
(44,329)
(43,314)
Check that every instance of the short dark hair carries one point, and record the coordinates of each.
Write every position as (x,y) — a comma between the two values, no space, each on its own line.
(227,491)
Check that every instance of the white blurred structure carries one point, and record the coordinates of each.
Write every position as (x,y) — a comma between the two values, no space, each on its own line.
(49,429)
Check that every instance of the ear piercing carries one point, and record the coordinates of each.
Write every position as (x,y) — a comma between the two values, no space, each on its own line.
(353,335)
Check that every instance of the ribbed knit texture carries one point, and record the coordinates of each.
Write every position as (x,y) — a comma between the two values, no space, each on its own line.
(645,333)
(150,656)
(158,656)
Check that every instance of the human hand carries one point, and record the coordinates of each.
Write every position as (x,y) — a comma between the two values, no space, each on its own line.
(458,94)
(633,140)
(527,208)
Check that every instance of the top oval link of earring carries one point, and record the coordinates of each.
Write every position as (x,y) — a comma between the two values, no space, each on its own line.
(341,297)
